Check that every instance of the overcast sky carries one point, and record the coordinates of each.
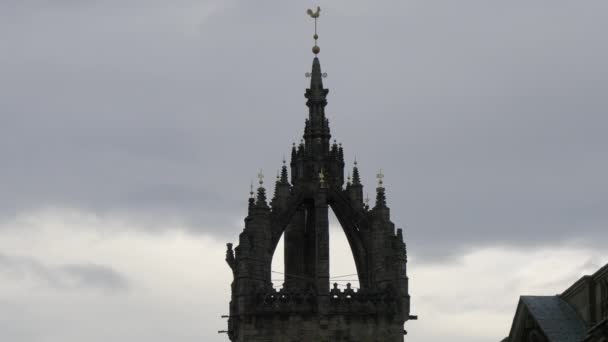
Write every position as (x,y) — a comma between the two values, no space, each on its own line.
(130,130)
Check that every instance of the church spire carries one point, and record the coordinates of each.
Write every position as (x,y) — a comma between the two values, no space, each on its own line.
(316,153)
(316,130)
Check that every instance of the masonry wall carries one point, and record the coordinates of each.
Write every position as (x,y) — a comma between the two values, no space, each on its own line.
(309,328)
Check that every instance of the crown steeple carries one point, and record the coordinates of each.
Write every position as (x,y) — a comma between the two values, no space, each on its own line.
(307,186)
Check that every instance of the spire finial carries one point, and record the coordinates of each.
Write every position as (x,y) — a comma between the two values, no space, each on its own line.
(356,178)
(261,200)
(380,195)
(251,196)
(380,177)
(315,16)
(284,177)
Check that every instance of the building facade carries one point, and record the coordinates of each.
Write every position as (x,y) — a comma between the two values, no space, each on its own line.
(579,314)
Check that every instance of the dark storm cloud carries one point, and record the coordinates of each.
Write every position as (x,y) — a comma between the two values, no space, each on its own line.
(488,118)
(87,276)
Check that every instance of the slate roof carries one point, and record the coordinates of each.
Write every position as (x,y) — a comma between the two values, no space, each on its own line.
(556,318)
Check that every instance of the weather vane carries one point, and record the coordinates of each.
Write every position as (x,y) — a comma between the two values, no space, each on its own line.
(315,16)
(261,177)
(315,49)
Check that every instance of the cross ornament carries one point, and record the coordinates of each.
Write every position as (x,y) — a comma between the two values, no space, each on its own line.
(308,75)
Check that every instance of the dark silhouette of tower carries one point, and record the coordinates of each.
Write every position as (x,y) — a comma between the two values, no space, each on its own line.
(306,308)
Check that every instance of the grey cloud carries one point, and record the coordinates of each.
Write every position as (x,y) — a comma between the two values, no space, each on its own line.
(487,118)
(25,267)
(96,276)
(63,277)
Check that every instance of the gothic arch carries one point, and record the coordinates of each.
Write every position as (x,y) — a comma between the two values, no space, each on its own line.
(351,221)
(283,220)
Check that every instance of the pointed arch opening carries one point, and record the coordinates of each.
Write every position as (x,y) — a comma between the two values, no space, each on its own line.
(342,267)
(277,267)
(294,247)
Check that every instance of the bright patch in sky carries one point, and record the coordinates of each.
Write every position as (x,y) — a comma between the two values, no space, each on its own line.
(62,268)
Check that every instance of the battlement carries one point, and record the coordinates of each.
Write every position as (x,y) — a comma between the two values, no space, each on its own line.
(363,301)
(347,301)
(285,301)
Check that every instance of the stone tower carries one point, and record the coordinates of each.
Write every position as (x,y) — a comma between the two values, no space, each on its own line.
(308,308)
